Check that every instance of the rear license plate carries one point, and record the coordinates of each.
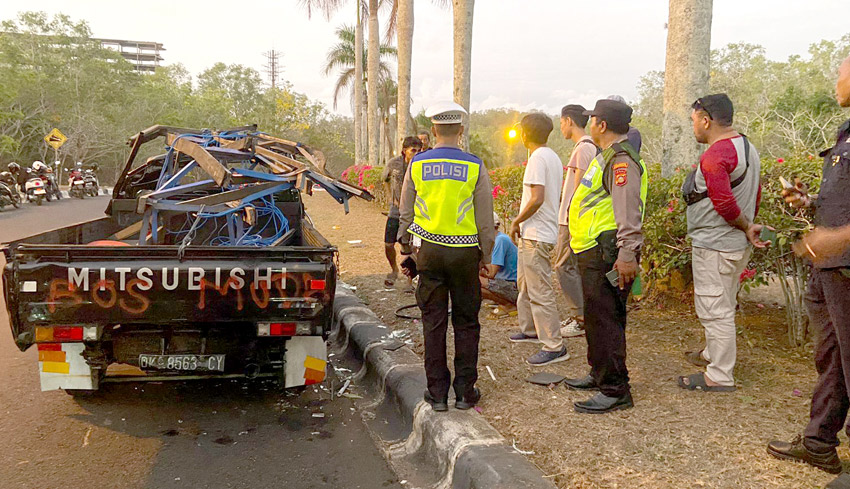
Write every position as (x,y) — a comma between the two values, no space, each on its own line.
(189,363)
(39,191)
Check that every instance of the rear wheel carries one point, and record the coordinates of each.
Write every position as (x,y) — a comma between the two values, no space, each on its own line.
(38,200)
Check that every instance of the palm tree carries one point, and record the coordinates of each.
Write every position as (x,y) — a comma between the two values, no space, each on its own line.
(387,100)
(462,12)
(401,21)
(342,58)
(328,7)
(372,78)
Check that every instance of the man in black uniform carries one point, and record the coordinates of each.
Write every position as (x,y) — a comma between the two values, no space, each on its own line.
(828,301)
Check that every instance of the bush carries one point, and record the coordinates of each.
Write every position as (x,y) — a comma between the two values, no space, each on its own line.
(507,191)
(367,177)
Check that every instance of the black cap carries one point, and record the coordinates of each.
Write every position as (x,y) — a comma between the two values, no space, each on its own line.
(612,112)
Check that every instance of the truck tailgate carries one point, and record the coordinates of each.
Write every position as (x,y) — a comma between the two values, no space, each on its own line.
(79,285)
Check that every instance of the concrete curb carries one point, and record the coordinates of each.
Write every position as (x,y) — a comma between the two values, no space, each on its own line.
(461,448)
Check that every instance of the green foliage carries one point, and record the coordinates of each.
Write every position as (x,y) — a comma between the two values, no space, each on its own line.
(507,190)
(479,148)
(787,108)
(52,74)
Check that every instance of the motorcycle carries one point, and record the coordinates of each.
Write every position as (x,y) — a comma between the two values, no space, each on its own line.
(9,191)
(92,185)
(34,189)
(8,197)
(50,186)
(77,185)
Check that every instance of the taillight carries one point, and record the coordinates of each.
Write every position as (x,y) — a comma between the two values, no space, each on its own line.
(58,333)
(317,285)
(283,329)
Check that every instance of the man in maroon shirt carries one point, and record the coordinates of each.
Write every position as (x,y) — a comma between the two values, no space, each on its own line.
(723,195)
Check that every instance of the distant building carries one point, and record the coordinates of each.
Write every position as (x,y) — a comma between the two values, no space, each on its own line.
(144,56)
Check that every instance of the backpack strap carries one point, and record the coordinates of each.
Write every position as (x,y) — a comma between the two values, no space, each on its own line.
(740,180)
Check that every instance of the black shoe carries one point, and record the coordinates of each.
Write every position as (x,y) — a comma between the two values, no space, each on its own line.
(438,406)
(840,482)
(467,402)
(601,404)
(585,383)
(797,451)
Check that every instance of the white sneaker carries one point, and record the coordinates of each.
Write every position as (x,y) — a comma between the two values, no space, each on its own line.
(570,328)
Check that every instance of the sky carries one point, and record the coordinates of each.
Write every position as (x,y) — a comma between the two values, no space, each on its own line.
(526,54)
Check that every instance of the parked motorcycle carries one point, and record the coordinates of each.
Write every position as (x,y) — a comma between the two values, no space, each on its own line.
(92,185)
(78,187)
(7,197)
(34,188)
(51,186)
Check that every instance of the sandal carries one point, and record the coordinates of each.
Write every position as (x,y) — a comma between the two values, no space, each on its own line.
(696,382)
(696,358)
(389,281)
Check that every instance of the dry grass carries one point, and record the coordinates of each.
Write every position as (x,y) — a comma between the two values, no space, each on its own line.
(671,439)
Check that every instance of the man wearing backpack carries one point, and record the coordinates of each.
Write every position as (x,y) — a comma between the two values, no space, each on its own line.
(723,195)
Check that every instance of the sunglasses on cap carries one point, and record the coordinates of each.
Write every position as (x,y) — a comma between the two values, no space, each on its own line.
(699,105)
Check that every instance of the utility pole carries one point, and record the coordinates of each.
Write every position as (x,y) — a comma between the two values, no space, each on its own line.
(272,66)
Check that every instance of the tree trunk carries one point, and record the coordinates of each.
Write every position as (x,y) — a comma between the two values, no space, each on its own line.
(404,32)
(685,79)
(358,89)
(373,55)
(462,11)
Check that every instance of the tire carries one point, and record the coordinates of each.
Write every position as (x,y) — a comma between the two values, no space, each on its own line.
(16,201)
(48,196)
(39,199)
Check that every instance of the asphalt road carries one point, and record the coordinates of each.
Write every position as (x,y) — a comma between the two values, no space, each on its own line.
(170,435)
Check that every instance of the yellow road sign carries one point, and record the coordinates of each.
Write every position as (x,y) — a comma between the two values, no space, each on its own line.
(55,138)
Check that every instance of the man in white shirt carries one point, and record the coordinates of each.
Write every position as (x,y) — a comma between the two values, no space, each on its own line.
(573,122)
(535,230)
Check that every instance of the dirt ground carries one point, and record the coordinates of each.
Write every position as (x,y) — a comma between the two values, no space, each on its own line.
(671,439)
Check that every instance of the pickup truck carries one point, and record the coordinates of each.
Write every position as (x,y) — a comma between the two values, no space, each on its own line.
(149,286)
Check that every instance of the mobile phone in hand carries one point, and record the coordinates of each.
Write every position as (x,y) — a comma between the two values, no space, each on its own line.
(767,234)
(410,264)
(613,277)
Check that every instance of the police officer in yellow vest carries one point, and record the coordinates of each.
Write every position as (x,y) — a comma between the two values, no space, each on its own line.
(447,202)
(606,215)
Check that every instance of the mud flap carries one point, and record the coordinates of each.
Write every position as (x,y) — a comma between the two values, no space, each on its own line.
(306,360)
(62,366)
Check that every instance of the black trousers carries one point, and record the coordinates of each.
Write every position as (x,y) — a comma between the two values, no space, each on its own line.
(604,322)
(449,272)
(828,302)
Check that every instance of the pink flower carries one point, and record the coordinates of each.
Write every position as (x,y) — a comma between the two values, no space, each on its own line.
(780,160)
(497,191)
(811,157)
(747,274)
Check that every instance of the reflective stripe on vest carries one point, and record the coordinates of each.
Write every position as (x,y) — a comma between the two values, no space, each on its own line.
(443,212)
(592,209)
